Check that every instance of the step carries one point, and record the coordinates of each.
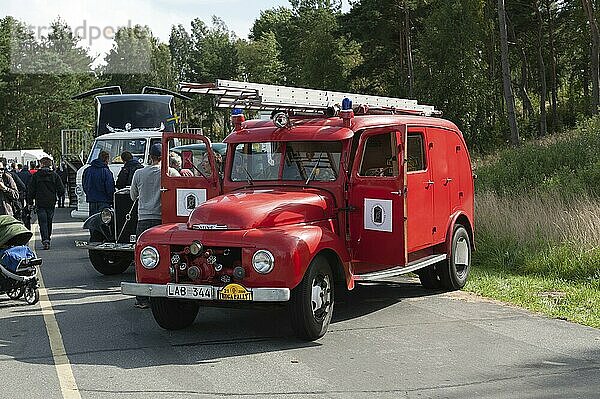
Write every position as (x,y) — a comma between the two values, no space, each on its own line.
(399,270)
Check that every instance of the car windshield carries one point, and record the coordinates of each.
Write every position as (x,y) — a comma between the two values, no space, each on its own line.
(297,160)
(137,147)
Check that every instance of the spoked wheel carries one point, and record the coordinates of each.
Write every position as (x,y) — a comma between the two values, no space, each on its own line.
(15,293)
(31,295)
(311,305)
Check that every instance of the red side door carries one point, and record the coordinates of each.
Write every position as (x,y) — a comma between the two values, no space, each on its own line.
(189,175)
(419,198)
(376,203)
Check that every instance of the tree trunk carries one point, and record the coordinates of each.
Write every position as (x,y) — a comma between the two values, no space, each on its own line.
(508,92)
(588,7)
(542,66)
(554,98)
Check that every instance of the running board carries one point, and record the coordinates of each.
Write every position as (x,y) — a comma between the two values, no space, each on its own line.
(398,270)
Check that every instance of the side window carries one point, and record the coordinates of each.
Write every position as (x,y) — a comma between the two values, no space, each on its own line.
(379,156)
(415,152)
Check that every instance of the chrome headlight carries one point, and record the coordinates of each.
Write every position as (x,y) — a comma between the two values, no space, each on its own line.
(149,257)
(106,215)
(263,261)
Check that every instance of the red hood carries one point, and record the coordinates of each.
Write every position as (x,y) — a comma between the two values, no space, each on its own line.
(254,208)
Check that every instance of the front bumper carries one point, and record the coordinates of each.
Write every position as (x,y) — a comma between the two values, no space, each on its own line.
(160,290)
(105,246)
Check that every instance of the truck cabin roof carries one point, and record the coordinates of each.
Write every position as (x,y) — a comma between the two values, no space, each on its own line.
(327,129)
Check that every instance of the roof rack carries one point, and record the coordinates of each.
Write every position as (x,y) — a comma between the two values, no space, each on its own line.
(264,97)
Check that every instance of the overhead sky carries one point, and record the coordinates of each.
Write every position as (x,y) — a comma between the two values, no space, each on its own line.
(92,18)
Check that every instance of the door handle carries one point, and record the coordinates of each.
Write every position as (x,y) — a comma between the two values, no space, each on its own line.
(447,180)
(162,189)
(399,193)
(428,183)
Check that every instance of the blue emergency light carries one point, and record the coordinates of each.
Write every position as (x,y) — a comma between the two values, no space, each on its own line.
(346,104)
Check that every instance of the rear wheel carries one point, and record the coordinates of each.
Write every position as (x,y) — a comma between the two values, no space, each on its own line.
(108,262)
(174,314)
(311,303)
(456,268)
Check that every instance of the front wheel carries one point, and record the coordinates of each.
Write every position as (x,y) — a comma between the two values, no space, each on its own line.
(455,269)
(174,314)
(108,262)
(311,302)
(15,293)
(31,295)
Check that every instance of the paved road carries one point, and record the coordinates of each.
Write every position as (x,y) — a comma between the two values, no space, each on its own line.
(389,340)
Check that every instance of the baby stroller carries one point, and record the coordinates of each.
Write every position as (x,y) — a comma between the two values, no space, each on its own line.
(18,263)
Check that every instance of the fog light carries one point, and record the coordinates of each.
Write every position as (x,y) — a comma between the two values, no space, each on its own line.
(195,248)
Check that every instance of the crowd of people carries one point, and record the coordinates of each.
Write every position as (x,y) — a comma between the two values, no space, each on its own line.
(38,189)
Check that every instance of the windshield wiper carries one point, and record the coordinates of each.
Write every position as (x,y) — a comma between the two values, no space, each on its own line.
(250,179)
(314,169)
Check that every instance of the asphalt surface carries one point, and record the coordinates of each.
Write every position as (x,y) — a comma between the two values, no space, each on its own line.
(387,340)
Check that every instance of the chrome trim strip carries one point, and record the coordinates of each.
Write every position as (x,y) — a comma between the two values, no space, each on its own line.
(399,270)
(105,246)
(160,291)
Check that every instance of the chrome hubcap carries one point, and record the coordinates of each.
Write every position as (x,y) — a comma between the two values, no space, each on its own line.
(461,256)
(321,297)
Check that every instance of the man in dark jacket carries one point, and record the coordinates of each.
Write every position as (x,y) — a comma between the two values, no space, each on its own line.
(99,184)
(126,173)
(44,188)
(8,192)
(17,204)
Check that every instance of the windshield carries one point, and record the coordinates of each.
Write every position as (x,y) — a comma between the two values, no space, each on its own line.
(141,114)
(137,147)
(297,160)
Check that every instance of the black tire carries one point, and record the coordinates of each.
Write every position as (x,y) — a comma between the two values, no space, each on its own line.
(174,314)
(15,293)
(455,269)
(31,295)
(310,319)
(430,277)
(108,262)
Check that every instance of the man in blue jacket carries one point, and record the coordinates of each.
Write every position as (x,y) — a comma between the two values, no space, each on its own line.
(99,184)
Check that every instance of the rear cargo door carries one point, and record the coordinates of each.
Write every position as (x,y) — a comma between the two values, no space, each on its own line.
(190,175)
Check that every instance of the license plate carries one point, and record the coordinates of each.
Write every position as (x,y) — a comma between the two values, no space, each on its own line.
(204,292)
(234,292)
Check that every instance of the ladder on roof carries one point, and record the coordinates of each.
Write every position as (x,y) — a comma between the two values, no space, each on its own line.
(263,97)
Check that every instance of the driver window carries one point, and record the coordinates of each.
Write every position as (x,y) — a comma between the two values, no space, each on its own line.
(379,156)
(188,158)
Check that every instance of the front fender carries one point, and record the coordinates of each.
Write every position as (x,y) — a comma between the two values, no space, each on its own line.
(294,247)
(94,225)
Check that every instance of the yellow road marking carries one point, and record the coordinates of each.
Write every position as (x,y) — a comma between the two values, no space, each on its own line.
(68,386)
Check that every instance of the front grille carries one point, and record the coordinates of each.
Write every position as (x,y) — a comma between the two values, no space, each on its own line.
(125,216)
(213,265)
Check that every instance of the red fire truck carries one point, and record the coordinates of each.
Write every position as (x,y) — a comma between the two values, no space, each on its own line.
(320,196)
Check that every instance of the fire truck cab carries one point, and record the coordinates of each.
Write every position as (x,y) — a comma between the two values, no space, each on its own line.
(314,200)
